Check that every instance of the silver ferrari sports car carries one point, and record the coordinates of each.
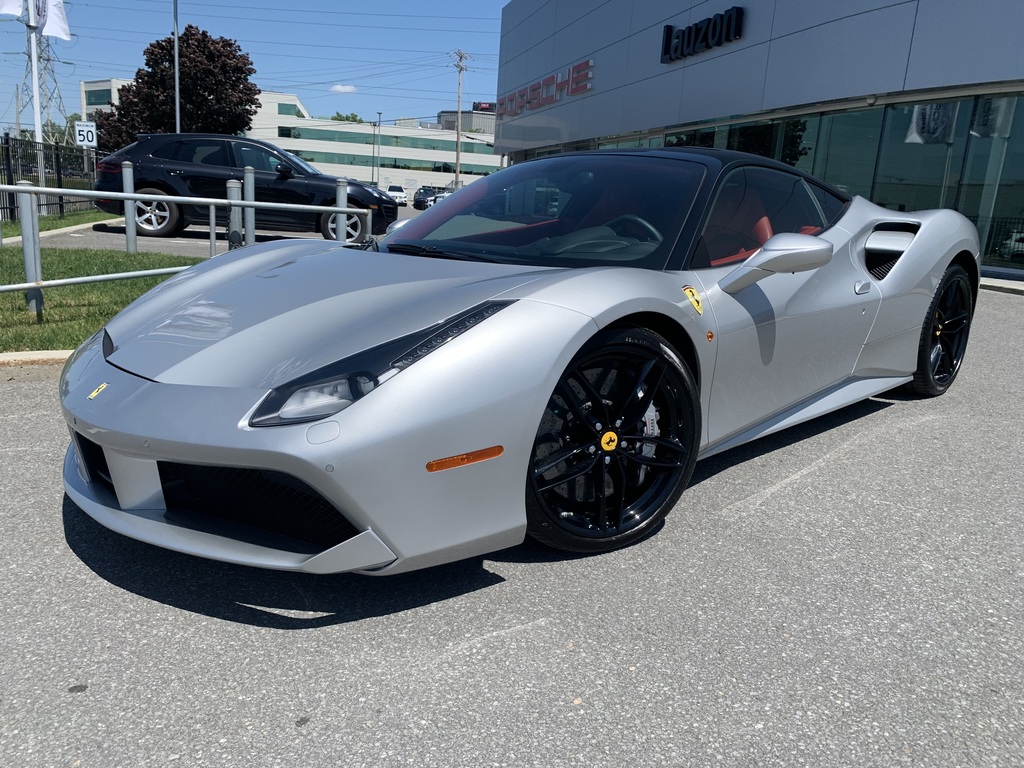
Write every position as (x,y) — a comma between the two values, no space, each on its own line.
(545,353)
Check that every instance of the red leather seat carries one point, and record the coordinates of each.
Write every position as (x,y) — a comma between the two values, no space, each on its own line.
(738,225)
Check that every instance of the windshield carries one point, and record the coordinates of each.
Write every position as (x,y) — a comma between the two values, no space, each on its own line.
(569,210)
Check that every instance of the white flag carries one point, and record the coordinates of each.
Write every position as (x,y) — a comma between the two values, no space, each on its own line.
(51,18)
(932,124)
(988,117)
(13,7)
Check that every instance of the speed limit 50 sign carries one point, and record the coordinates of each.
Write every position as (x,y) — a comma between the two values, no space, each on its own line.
(85,134)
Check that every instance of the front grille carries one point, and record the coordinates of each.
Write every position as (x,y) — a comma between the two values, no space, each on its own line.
(263,499)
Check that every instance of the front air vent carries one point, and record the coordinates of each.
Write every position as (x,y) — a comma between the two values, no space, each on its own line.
(273,502)
(95,462)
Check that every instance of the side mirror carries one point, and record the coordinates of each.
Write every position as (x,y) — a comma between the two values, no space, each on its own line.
(283,170)
(785,252)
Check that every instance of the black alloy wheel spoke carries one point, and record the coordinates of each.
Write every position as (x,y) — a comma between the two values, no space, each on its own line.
(651,462)
(619,489)
(602,501)
(546,484)
(648,380)
(568,396)
(553,460)
(598,411)
(956,323)
(946,362)
(953,303)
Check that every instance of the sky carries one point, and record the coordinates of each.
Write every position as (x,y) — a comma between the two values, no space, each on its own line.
(395,57)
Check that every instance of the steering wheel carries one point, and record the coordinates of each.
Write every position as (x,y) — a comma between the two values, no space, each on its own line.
(628,219)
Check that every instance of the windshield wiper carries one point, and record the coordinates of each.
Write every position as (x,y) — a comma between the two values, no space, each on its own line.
(414,249)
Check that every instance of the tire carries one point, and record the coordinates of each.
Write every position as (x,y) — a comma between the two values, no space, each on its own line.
(944,334)
(353,228)
(616,444)
(155,217)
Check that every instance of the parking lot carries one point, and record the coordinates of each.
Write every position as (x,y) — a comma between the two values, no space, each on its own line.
(847,593)
(193,241)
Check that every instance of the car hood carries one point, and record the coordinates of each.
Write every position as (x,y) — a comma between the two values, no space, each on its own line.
(261,316)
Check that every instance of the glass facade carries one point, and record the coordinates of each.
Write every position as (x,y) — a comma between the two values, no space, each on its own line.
(952,153)
(404,142)
(399,163)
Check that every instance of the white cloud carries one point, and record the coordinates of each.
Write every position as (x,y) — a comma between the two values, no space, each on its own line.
(343,89)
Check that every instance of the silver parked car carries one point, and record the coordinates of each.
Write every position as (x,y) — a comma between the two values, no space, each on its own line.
(548,353)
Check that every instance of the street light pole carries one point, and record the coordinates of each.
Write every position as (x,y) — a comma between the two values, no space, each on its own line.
(177,86)
(378,146)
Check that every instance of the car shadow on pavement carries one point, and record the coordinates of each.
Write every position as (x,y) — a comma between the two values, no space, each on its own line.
(533,552)
(762,446)
(258,597)
(284,600)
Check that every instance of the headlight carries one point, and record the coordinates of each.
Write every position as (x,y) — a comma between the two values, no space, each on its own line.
(335,387)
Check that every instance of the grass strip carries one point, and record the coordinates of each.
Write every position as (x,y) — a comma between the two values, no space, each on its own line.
(72,313)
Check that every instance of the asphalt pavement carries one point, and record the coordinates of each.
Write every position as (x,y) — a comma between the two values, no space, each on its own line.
(847,593)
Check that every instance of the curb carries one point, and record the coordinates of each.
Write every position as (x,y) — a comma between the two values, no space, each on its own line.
(44,357)
(16,240)
(1003,286)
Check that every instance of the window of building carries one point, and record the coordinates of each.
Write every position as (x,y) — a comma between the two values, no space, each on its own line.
(371,139)
(98,98)
(921,154)
(292,110)
(849,150)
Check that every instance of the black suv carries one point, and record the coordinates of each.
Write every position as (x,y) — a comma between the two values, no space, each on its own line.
(422,197)
(200,165)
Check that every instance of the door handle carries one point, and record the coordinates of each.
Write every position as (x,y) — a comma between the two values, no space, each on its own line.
(860,288)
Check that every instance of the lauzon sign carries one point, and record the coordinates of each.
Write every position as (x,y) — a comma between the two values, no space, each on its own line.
(572,82)
(679,42)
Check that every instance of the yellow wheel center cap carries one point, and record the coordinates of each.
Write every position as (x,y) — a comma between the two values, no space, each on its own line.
(609,440)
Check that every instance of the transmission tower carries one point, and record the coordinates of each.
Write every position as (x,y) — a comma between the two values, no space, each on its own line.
(51,105)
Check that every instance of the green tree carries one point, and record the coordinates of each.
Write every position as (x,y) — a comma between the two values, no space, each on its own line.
(216,94)
(351,117)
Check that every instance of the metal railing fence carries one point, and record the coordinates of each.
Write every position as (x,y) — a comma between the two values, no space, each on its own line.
(28,196)
(45,165)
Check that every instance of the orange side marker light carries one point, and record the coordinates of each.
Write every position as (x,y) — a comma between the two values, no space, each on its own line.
(439,465)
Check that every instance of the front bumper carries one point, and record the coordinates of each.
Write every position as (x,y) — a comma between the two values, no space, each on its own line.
(137,446)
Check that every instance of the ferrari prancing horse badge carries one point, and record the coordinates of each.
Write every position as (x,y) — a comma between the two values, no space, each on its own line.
(694,297)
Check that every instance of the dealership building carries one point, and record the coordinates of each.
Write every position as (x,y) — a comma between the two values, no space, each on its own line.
(913,104)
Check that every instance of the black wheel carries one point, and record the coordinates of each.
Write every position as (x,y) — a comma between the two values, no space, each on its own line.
(944,334)
(616,445)
(353,227)
(155,217)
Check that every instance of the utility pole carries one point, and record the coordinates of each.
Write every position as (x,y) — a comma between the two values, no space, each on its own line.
(460,57)
(378,148)
(177,82)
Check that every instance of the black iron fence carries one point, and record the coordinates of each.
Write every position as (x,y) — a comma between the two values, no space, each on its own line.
(46,165)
